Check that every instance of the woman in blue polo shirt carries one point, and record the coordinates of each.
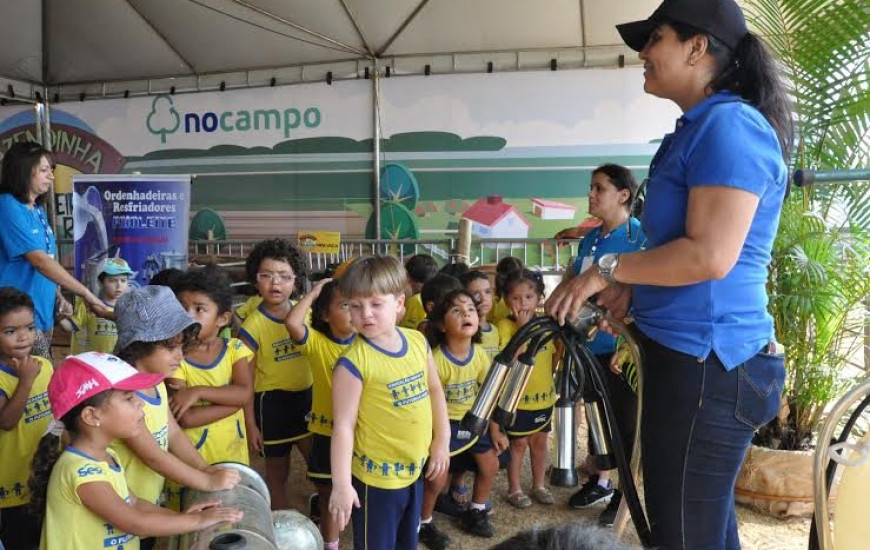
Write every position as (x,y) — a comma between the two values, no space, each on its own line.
(611,193)
(27,245)
(697,293)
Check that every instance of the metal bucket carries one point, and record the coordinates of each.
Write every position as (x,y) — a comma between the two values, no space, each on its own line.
(255,531)
(294,531)
(250,479)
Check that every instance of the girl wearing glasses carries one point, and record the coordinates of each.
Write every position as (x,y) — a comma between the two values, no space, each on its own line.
(277,418)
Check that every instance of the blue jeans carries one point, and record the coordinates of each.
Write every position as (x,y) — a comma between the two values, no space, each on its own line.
(698,420)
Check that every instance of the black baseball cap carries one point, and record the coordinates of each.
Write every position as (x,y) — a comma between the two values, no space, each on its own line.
(722,19)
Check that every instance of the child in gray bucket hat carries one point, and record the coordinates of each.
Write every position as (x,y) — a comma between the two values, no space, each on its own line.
(153,330)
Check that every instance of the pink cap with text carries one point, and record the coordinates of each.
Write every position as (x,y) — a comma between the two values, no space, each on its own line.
(82,376)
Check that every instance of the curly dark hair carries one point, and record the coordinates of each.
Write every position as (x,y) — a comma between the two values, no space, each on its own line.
(210,280)
(504,269)
(166,277)
(138,350)
(320,308)
(435,333)
(533,278)
(280,250)
(12,299)
(49,450)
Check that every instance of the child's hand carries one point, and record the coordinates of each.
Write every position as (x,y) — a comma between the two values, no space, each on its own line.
(341,503)
(64,308)
(28,368)
(212,513)
(255,439)
(523,316)
(500,441)
(183,399)
(221,479)
(439,459)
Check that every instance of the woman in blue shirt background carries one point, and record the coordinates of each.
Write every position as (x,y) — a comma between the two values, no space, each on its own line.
(611,192)
(27,244)
(697,293)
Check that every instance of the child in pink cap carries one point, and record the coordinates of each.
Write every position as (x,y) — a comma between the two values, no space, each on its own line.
(93,394)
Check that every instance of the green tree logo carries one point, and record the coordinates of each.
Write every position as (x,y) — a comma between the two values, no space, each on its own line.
(163,118)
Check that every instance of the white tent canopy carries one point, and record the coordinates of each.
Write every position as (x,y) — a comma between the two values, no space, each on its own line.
(104,48)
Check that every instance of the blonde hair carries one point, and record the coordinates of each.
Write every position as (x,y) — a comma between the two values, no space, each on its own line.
(372,276)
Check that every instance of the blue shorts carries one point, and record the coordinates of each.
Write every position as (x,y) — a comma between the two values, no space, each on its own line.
(530,422)
(319,466)
(462,440)
(386,518)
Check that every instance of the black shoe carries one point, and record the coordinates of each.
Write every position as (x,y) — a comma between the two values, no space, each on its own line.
(477,523)
(590,494)
(432,537)
(449,506)
(608,516)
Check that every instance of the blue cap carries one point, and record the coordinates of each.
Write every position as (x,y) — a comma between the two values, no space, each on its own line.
(116,266)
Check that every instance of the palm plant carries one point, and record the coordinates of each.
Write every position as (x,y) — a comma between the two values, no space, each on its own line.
(819,274)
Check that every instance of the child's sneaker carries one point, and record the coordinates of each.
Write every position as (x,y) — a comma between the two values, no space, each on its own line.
(477,523)
(432,537)
(590,494)
(448,505)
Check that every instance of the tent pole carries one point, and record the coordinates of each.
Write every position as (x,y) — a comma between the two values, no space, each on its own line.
(376,150)
(46,143)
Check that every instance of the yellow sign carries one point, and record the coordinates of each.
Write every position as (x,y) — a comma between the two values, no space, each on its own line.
(322,242)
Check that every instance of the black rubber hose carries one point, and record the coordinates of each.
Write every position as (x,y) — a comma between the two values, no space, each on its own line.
(629,488)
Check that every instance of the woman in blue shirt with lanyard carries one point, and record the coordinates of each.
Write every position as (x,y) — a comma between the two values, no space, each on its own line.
(27,245)
(611,192)
(697,292)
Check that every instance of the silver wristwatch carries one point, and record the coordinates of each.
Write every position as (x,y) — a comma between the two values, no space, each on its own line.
(606,265)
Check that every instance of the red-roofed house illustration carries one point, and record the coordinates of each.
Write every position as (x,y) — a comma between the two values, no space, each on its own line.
(492,218)
(552,210)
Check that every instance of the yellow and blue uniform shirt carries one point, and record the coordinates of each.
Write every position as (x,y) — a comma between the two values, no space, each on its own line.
(414,312)
(250,306)
(490,340)
(224,440)
(68,522)
(280,363)
(461,378)
(499,311)
(18,445)
(394,420)
(144,482)
(322,352)
(91,333)
(540,392)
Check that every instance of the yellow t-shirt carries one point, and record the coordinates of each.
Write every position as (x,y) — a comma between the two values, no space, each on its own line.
(394,420)
(68,522)
(18,445)
(490,340)
(280,364)
(461,378)
(144,482)
(541,390)
(250,306)
(224,440)
(322,352)
(414,312)
(499,311)
(91,333)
